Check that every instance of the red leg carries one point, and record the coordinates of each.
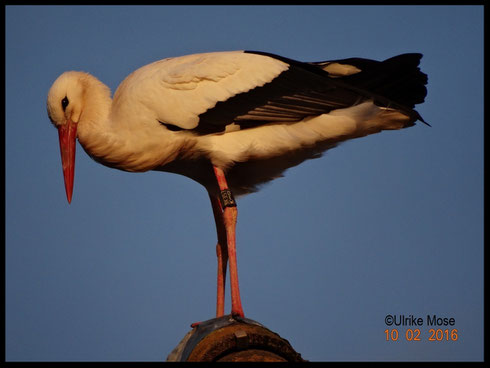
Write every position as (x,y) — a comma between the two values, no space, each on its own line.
(221,253)
(229,221)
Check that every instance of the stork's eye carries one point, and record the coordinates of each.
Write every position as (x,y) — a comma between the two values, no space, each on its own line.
(64,103)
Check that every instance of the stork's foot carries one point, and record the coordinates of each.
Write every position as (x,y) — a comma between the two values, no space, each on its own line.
(238,314)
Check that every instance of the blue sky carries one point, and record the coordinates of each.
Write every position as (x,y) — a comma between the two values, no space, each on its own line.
(389,224)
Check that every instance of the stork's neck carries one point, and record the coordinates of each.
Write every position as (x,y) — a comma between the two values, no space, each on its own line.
(116,136)
(94,127)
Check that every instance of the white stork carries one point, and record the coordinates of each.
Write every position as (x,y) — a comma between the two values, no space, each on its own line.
(244,114)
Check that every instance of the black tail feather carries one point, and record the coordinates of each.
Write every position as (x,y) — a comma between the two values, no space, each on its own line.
(398,79)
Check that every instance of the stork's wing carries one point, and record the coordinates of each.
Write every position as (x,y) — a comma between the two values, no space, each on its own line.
(205,93)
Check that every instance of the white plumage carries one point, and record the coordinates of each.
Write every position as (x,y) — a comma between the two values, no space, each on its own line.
(249,115)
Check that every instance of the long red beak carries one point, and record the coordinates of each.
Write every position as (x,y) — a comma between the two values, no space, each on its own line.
(68,134)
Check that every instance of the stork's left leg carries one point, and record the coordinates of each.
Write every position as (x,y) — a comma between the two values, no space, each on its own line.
(221,253)
(229,220)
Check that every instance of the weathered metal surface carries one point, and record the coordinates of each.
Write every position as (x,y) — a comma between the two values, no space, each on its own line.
(233,339)
(252,355)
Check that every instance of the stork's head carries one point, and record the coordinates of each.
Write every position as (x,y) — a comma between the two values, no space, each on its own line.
(65,106)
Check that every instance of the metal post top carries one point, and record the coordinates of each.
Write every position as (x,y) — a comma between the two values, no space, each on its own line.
(231,338)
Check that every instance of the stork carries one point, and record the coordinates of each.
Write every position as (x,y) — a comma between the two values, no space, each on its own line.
(231,121)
